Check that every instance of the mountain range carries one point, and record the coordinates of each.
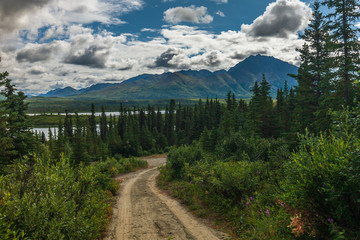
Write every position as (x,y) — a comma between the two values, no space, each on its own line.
(190,84)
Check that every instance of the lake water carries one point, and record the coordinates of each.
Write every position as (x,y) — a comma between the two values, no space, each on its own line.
(54,130)
(87,113)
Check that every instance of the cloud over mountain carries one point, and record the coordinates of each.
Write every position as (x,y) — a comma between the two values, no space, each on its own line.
(38,52)
(93,56)
(78,43)
(30,15)
(281,19)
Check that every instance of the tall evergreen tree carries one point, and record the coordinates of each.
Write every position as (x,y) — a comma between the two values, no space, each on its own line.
(103,124)
(345,46)
(253,123)
(7,151)
(267,113)
(17,123)
(313,90)
(79,152)
(171,123)
(92,120)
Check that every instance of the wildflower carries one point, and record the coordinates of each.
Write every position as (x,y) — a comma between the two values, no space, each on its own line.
(251,198)
(247,204)
(267,212)
(330,220)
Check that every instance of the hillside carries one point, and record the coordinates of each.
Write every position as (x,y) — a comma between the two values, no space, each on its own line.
(192,84)
(252,68)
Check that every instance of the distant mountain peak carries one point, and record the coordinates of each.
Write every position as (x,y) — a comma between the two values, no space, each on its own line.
(192,83)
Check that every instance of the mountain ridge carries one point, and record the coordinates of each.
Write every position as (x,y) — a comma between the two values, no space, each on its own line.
(191,84)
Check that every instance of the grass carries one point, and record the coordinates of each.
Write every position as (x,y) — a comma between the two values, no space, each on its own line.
(192,196)
(55,105)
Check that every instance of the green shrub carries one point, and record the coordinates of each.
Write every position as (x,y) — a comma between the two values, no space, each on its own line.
(178,158)
(55,201)
(7,230)
(114,186)
(323,182)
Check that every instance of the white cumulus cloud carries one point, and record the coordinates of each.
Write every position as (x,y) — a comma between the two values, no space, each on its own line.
(187,14)
(220,1)
(282,18)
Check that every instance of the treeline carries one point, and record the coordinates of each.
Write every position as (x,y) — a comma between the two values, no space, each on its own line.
(287,169)
(43,193)
(242,159)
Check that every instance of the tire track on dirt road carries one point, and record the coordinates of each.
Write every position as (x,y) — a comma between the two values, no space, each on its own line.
(143,211)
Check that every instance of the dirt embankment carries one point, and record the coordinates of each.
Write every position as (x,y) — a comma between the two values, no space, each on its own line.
(143,211)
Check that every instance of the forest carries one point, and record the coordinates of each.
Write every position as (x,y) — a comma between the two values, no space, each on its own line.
(284,168)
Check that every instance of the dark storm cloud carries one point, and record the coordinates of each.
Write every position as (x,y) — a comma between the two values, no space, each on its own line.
(94,56)
(171,58)
(281,19)
(164,59)
(12,10)
(36,53)
(35,72)
(242,56)
(125,68)
(213,60)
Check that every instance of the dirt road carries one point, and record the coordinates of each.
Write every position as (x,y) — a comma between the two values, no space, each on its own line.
(143,211)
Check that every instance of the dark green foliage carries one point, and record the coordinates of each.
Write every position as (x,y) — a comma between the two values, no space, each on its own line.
(237,187)
(323,182)
(113,166)
(345,46)
(233,158)
(313,92)
(16,138)
(180,158)
(55,201)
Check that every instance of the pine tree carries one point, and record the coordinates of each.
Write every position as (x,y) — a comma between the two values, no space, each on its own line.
(92,121)
(313,90)
(345,46)
(253,123)
(79,153)
(171,123)
(16,120)
(103,124)
(68,128)
(7,151)
(267,114)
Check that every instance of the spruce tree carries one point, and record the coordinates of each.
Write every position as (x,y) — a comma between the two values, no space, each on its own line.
(266,108)
(253,123)
(103,124)
(345,47)
(92,120)
(16,121)
(7,151)
(313,90)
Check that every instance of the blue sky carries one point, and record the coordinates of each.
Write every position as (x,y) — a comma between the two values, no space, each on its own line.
(46,44)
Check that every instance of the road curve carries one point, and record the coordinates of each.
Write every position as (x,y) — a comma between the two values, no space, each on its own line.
(143,211)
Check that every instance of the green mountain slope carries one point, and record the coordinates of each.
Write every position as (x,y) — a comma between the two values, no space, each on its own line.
(275,70)
(197,84)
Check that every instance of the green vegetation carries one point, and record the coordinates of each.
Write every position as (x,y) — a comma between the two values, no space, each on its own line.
(56,200)
(289,171)
(56,104)
(52,196)
(284,170)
